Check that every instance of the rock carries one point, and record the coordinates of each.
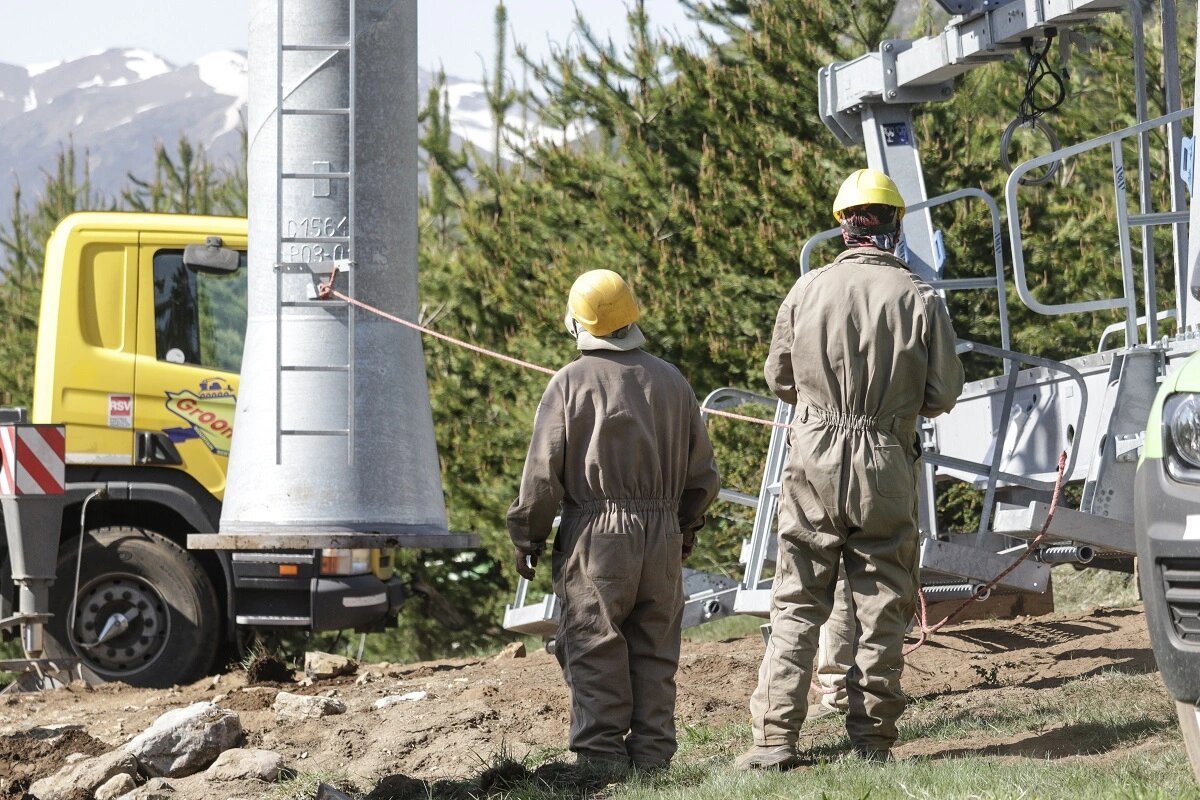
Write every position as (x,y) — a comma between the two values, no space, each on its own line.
(154,789)
(238,764)
(319,665)
(300,706)
(388,702)
(511,650)
(116,786)
(71,759)
(186,740)
(366,677)
(84,776)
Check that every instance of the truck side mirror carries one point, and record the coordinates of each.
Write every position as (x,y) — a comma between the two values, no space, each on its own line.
(211,256)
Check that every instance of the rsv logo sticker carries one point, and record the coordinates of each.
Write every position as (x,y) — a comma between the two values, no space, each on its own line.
(208,413)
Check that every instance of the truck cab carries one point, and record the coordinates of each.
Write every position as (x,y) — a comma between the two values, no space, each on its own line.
(138,356)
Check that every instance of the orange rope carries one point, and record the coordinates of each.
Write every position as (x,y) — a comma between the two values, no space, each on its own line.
(327,290)
(927,630)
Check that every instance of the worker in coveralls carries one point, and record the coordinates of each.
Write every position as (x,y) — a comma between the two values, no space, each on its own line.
(617,440)
(861,348)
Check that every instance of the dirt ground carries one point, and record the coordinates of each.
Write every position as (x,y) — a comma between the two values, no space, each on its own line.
(474,708)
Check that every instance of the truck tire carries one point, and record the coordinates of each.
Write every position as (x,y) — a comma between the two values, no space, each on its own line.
(1189,723)
(150,600)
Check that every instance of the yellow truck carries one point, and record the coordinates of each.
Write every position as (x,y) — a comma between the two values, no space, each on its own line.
(138,356)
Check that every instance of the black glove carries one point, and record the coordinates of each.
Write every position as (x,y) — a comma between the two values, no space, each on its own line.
(526,560)
(689,543)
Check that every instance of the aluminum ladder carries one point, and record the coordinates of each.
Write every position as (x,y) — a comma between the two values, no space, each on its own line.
(323,253)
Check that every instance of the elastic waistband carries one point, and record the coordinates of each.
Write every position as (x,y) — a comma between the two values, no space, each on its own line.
(605,505)
(833,418)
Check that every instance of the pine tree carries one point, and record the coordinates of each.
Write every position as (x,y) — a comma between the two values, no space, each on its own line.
(65,190)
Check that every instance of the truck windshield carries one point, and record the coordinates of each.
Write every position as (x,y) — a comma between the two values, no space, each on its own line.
(199,317)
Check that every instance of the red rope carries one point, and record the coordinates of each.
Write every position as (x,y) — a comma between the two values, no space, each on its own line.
(928,630)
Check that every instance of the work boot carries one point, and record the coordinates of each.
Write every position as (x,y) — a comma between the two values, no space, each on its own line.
(869,754)
(781,757)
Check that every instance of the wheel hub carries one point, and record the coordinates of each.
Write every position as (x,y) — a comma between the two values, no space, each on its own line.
(121,624)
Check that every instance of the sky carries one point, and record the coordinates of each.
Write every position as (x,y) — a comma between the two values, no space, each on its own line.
(454,34)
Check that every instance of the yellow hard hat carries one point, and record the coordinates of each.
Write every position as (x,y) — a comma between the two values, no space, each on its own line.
(602,302)
(867,187)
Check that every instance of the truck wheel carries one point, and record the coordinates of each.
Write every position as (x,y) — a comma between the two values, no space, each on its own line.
(147,614)
(1189,722)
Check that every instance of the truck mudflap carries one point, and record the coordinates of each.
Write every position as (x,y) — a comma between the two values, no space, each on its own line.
(354,601)
(1167,520)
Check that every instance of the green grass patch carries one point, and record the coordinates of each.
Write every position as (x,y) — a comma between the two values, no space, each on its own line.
(303,785)
(1078,591)
(718,630)
(1161,774)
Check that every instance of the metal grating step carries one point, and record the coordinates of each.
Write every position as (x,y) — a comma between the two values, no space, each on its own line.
(292,176)
(315,112)
(315,432)
(319,48)
(330,304)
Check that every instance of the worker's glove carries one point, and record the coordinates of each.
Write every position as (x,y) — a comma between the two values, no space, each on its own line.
(526,560)
(689,543)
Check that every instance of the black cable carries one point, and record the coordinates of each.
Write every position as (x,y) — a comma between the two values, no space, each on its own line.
(1040,70)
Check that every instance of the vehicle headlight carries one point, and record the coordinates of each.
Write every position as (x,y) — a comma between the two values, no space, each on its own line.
(1181,422)
(338,561)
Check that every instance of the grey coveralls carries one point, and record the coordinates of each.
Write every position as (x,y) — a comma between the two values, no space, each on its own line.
(861,348)
(619,440)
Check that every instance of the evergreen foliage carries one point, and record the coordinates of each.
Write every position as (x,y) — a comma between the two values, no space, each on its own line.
(22,252)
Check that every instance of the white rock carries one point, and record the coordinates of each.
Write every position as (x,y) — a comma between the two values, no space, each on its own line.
(154,789)
(86,775)
(116,786)
(511,650)
(186,740)
(238,764)
(327,665)
(388,702)
(300,706)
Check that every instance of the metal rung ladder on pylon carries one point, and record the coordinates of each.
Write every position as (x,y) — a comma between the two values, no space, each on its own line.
(323,267)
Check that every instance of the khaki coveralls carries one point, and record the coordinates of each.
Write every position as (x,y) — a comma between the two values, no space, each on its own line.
(861,348)
(619,440)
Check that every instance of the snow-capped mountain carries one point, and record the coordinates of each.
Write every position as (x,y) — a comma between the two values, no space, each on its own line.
(117,104)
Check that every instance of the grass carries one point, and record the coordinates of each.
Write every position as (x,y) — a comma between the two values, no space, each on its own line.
(734,627)
(1080,591)
(303,785)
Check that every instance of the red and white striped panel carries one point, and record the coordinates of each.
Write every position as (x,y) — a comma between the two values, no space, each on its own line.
(32,459)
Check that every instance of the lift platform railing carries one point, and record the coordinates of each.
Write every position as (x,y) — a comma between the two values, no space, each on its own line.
(1125,221)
